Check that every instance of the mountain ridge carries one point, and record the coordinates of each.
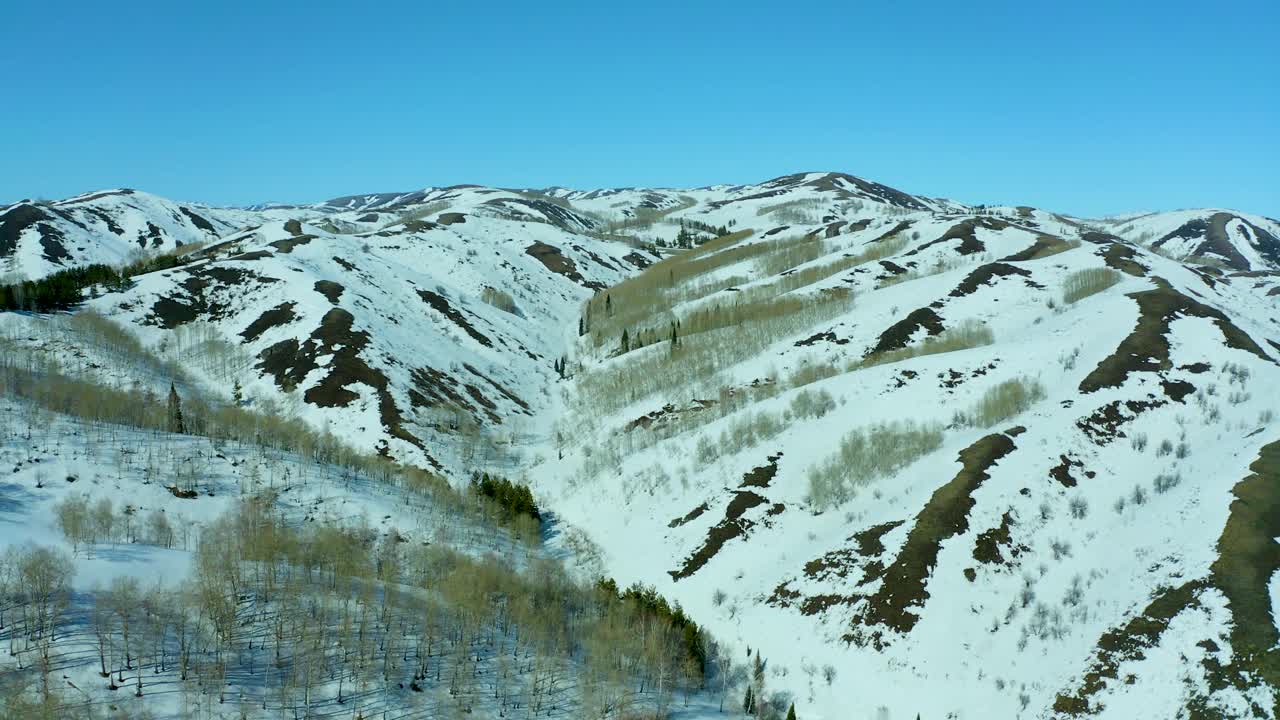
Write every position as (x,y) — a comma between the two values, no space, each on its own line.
(938,440)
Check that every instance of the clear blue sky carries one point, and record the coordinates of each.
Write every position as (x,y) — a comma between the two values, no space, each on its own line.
(1082,107)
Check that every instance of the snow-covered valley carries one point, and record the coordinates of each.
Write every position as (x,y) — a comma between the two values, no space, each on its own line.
(918,457)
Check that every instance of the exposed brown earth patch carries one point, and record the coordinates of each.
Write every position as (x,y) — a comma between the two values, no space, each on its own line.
(995,546)
(554,214)
(836,567)
(986,275)
(487,406)
(760,477)
(100,195)
(894,231)
(871,541)
(638,260)
(1248,557)
(1104,424)
(904,589)
(735,524)
(689,517)
(1100,238)
(498,386)
(899,334)
(106,219)
(1062,471)
(950,379)
(893,268)
(828,337)
(1123,258)
(966,231)
(1126,643)
(1177,390)
(198,220)
(555,261)
(1214,243)
(289,363)
(154,235)
(281,314)
(433,388)
(199,301)
(442,306)
(835,182)
(330,290)
(51,244)
(252,255)
(1146,349)
(20,217)
(288,244)
(1044,246)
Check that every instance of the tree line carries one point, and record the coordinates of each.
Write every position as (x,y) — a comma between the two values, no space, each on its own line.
(65,289)
(281,618)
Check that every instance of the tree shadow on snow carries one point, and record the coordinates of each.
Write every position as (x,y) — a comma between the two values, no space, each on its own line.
(13,499)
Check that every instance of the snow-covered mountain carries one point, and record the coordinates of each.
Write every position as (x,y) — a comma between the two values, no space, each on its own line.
(448,323)
(41,237)
(962,461)
(1224,238)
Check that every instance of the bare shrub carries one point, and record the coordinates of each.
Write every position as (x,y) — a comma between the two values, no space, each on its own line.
(1003,401)
(1165,482)
(1079,508)
(969,334)
(1083,283)
(867,455)
(501,300)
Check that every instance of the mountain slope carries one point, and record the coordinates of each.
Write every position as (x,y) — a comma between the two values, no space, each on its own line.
(1067,475)
(1229,239)
(403,339)
(925,457)
(38,238)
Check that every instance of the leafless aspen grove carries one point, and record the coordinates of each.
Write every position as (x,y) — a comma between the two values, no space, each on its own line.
(291,599)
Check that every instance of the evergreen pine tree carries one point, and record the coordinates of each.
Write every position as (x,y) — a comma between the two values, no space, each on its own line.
(626,341)
(749,702)
(791,714)
(757,681)
(176,425)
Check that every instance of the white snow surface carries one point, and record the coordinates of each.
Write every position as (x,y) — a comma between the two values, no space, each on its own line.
(979,648)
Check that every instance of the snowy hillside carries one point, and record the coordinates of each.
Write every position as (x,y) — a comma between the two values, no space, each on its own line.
(238,566)
(921,457)
(982,465)
(40,237)
(417,339)
(1218,237)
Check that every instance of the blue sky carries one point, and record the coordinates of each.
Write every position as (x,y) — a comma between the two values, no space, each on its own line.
(1082,107)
